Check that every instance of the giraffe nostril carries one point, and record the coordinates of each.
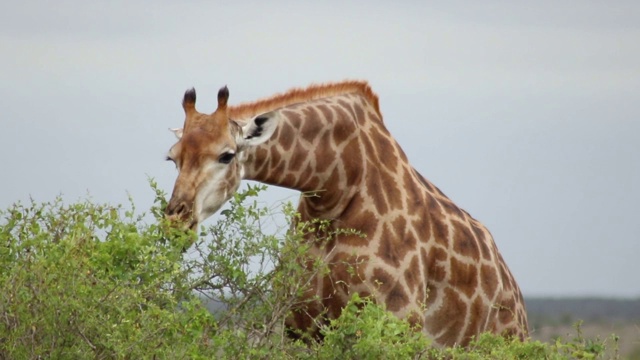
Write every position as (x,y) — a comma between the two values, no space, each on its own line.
(181,209)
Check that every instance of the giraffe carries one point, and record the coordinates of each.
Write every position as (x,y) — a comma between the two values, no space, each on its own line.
(421,256)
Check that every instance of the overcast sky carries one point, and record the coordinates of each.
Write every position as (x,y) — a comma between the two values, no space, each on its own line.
(527,116)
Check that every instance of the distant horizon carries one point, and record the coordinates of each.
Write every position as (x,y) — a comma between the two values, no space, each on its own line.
(582,297)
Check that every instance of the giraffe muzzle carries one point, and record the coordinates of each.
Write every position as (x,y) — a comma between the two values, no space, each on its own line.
(179,213)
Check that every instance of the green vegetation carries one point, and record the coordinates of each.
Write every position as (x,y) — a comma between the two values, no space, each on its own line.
(95,281)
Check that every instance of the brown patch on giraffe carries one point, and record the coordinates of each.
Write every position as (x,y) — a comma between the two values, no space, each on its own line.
(397,298)
(237,129)
(355,240)
(512,281)
(418,224)
(366,294)
(312,183)
(325,110)
(452,313)
(349,268)
(504,276)
(422,227)
(359,114)
(432,296)
(301,319)
(345,105)
(480,237)
(330,242)
(330,121)
(450,208)
(330,199)
(374,184)
(440,230)
(402,157)
(435,263)
(369,149)
(412,274)
(331,297)
(388,251)
(294,118)
(488,280)
(309,164)
(342,130)
(415,206)
(304,312)
(479,311)
(424,181)
(420,294)
(522,322)
(274,157)
(325,157)
(298,158)
(290,180)
(464,243)
(439,192)
(399,226)
(415,320)
(385,149)
(464,276)
(493,315)
(506,310)
(261,157)
(391,191)
(408,241)
(484,249)
(520,300)
(277,171)
(300,95)
(433,207)
(412,195)
(352,159)
(310,128)
(383,280)
(286,136)
(363,223)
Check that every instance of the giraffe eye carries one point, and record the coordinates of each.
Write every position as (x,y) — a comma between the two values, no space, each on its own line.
(226,157)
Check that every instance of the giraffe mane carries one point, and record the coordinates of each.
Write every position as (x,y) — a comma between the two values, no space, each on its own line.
(299,95)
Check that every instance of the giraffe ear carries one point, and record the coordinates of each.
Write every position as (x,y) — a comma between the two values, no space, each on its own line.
(259,129)
(177,132)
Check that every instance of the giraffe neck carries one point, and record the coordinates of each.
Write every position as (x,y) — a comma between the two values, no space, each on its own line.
(316,150)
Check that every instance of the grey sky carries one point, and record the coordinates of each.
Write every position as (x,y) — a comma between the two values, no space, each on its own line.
(527,116)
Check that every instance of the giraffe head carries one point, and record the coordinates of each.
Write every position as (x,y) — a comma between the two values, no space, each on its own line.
(209,157)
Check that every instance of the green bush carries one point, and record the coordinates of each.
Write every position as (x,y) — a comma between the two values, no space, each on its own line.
(90,281)
(366,331)
(97,281)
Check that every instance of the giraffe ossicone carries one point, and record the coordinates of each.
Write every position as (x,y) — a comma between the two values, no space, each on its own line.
(421,255)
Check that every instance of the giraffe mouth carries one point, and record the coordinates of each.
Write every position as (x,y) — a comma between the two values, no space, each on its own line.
(189,223)
(193,225)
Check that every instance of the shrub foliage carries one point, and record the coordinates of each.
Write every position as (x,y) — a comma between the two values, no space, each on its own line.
(98,281)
